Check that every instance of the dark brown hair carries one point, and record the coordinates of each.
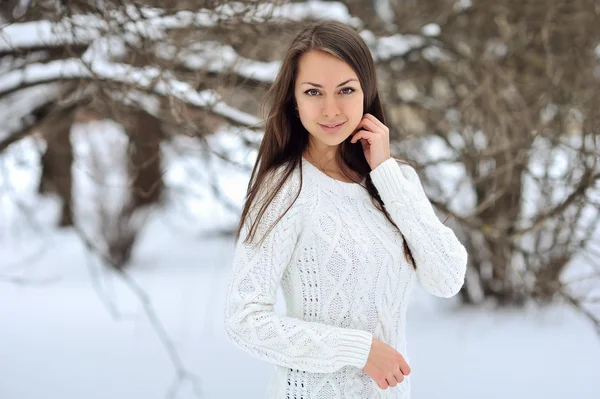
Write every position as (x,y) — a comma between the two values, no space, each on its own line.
(285,138)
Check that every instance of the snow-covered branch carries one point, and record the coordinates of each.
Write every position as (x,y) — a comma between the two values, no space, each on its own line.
(149,79)
(134,25)
(154,23)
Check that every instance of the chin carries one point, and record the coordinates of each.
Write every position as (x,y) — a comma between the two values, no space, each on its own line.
(332,140)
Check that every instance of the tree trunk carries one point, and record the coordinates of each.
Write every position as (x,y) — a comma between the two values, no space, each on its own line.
(501,215)
(146,184)
(57,161)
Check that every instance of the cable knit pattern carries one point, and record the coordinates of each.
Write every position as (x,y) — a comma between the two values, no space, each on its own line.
(344,277)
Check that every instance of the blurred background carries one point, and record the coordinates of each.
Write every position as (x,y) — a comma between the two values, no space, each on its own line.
(128,130)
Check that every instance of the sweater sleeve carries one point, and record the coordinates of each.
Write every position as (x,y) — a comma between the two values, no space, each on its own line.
(250,321)
(440,258)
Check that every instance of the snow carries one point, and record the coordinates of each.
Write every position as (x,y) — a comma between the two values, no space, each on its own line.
(151,23)
(215,57)
(63,338)
(384,11)
(431,30)
(563,167)
(77,330)
(461,5)
(315,10)
(16,106)
(385,48)
(27,35)
(123,73)
(96,62)
(34,73)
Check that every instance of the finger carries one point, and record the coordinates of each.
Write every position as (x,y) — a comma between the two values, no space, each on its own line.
(391,380)
(383,384)
(404,367)
(362,121)
(371,121)
(361,134)
(399,376)
(372,126)
(372,118)
(365,144)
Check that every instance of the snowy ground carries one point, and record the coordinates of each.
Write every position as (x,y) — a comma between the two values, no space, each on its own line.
(75,331)
(60,341)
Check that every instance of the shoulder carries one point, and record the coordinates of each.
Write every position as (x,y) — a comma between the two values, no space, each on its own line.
(280,186)
(411,174)
(408,170)
(284,178)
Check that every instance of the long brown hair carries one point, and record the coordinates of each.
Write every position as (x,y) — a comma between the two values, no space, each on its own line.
(285,138)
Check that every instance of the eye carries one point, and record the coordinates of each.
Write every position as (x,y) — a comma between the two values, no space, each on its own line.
(345,90)
(311,91)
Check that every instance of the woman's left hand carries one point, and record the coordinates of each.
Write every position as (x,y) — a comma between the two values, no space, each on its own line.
(375,140)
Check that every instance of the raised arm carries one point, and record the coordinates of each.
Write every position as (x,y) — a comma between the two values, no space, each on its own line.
(440,258)
(250,321)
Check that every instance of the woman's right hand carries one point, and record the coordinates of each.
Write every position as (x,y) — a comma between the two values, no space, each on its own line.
(385,365)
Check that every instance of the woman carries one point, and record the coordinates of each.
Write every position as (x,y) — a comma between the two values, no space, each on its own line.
(340,225)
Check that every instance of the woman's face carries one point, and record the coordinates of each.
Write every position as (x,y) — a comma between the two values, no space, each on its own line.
(329,98)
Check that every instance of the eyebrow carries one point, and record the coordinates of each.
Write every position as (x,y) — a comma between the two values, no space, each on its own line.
(318,85)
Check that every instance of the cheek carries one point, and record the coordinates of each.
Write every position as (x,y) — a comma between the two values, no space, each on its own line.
(307,110)
(355,110)
(356,103)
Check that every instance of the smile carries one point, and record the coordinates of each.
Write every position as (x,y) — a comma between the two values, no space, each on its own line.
(332,127)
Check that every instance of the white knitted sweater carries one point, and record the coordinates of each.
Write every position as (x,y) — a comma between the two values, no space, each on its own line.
(345,280)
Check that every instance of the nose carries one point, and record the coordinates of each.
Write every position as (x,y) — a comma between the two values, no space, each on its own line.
(330,108)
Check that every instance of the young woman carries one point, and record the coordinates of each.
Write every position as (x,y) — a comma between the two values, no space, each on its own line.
(340,225)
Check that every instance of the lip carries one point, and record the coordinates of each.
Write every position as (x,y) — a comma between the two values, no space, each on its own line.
(332,127)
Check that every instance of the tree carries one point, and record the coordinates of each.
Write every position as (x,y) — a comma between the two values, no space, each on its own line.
(506,94)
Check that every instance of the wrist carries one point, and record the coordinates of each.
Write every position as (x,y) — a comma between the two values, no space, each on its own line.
(378,162)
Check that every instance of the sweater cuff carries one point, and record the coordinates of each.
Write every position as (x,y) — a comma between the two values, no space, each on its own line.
(354,348)
(388,178)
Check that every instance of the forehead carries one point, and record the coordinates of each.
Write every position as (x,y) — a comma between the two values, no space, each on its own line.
(322,68)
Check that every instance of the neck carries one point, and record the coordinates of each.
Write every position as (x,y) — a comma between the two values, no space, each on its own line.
(324,157)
